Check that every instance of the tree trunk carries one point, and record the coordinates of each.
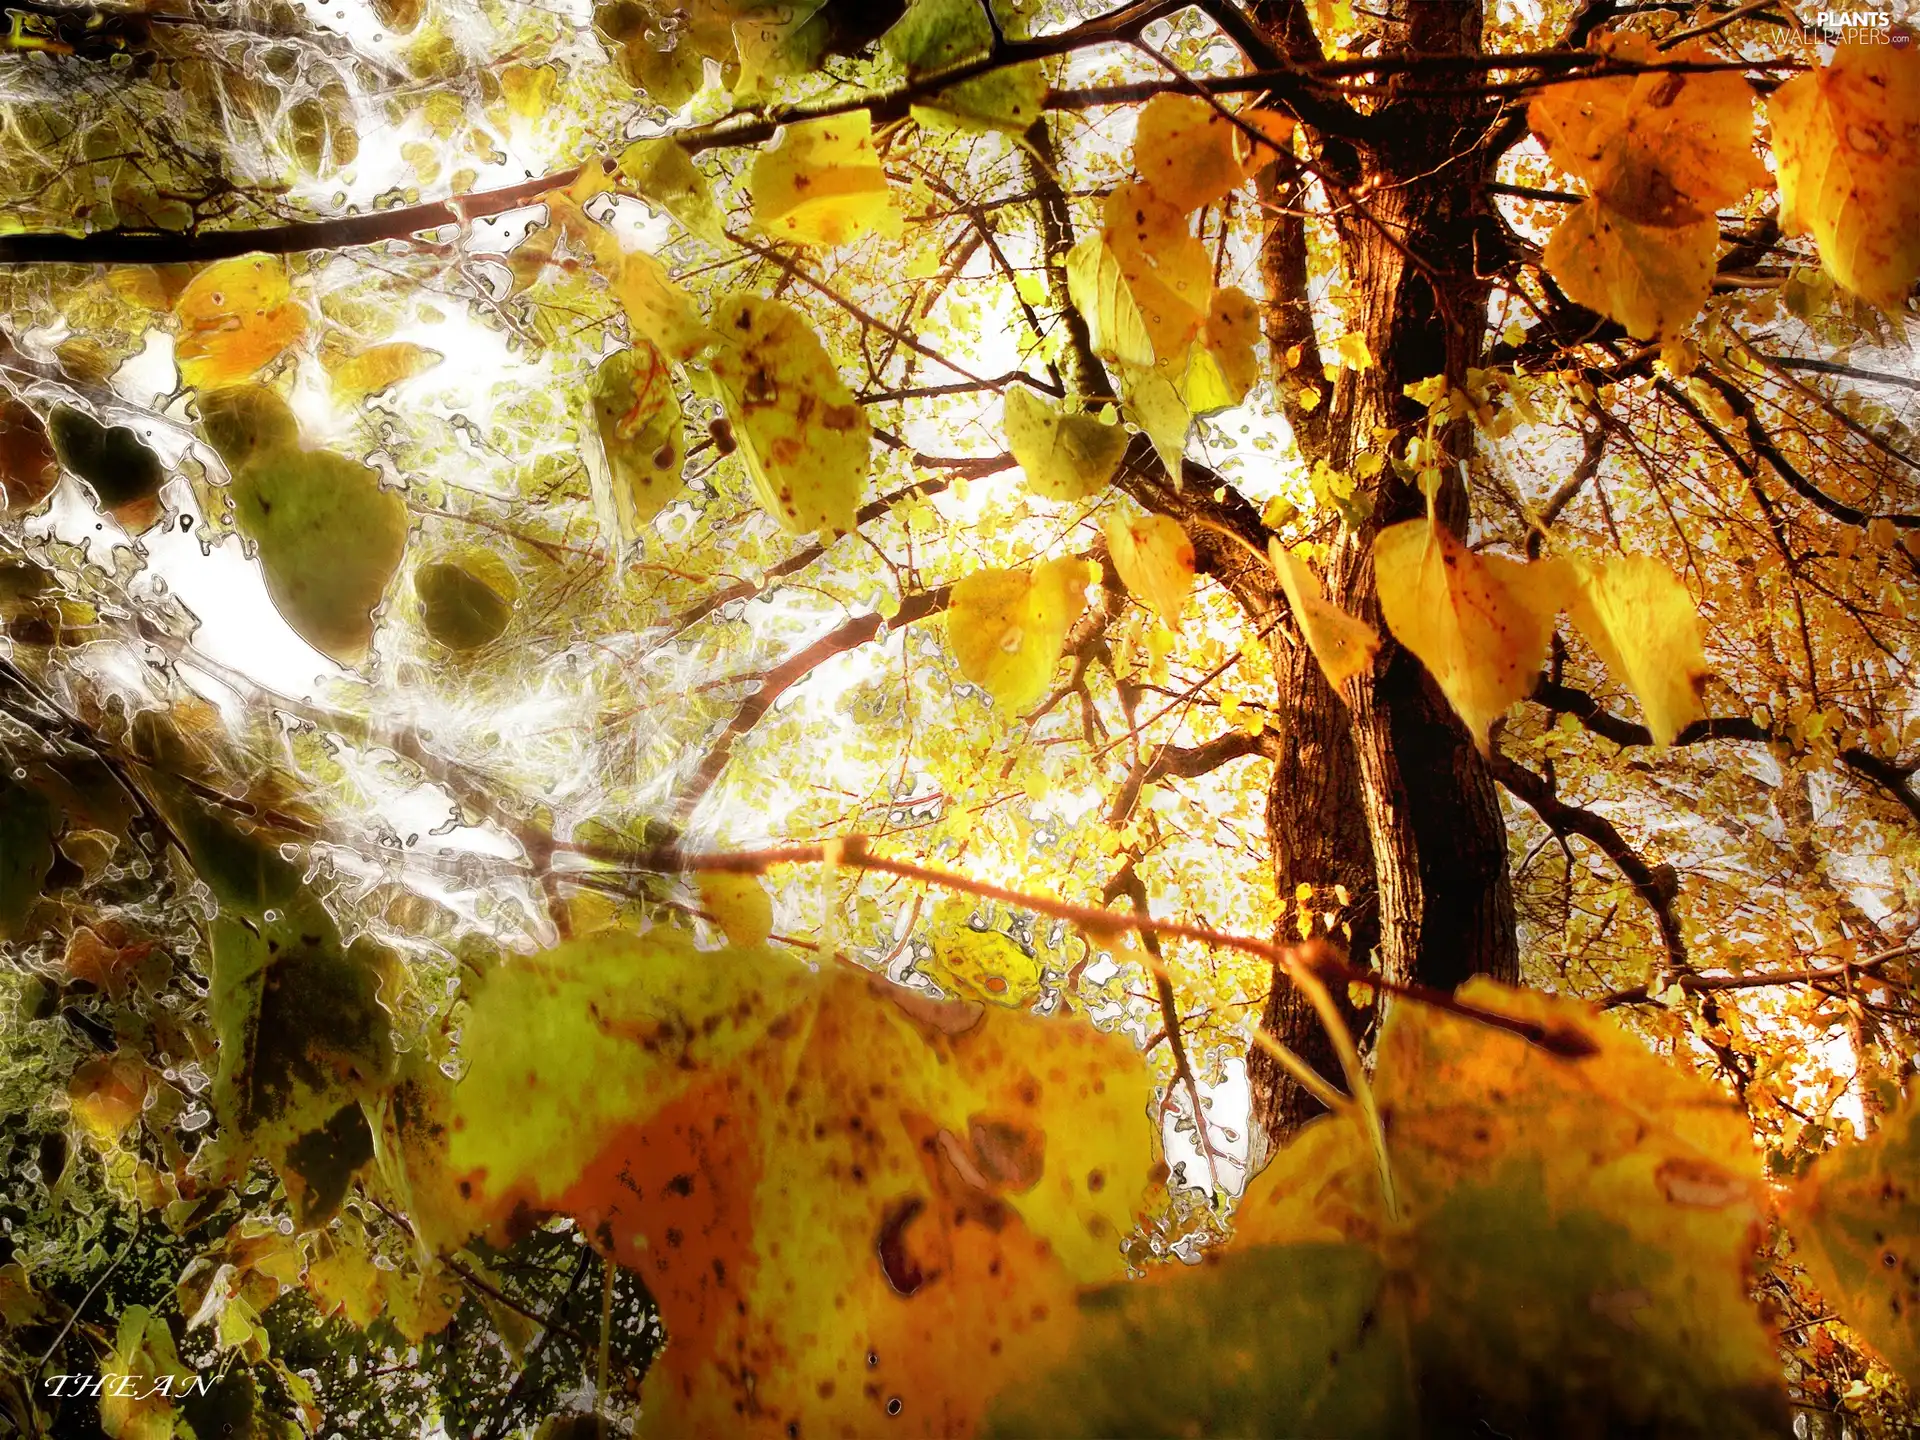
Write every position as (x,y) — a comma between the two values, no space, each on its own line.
(1383,783)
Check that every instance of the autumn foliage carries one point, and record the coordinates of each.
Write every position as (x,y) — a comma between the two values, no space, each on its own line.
(959,718)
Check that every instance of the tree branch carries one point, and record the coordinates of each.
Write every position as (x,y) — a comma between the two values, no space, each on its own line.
(850,635)
(1656,886)
(1890,776)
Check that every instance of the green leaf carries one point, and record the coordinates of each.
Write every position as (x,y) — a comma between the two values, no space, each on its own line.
(1154,403)
(665,176)
(303,1039)
(26,853)
(638,422)
(805,441)
(937,34)
(330,538)
(245,422)
(1065,456)
(460,608)
(1009,98)
(1279,1341)
(122,470)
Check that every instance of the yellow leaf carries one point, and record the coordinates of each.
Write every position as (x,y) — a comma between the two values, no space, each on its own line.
(1662,149)
(1652,280)
(1007,626)
(379,367)
(822,183)
(739,904)
(1847,142)
(1099,292)
(1154,403)
(1065,456)
(982,965)
(348,1283)
(1165,268)
(805,441)
(658,310)
(1155,560)
(1221,365)
(1479,623)
(1189,154)
(1642,623)
(1352,352)
(665,176)
(1855,1221)
(529,89)
(1343,644)
(236,318)
(638,422)
(891,1194)
(142,1408)
(107,1095)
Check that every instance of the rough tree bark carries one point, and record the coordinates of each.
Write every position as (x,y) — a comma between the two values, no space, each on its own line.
(1381,789)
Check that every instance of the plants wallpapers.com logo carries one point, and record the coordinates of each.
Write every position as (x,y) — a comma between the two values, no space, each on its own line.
(1859,27)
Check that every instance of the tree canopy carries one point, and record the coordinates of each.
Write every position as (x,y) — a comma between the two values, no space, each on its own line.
(970,717)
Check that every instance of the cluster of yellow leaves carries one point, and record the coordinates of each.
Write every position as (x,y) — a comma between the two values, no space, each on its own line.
(1481,623)
(1145,282)
(804,440)
(1660,153)
(859,1209)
